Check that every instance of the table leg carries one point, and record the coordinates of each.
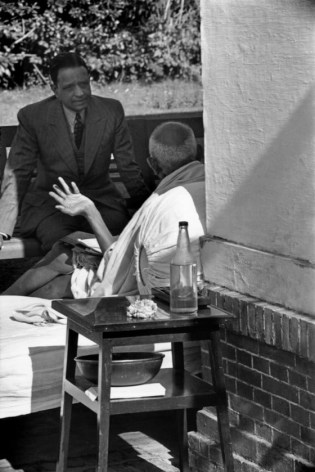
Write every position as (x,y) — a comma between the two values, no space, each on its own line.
(178,364)
(66,399)
(183,441)
(215,356)
(103,415)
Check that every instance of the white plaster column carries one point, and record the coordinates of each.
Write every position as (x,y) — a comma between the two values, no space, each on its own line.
(258,78)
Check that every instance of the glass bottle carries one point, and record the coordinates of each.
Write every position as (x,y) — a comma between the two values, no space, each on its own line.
(183,275)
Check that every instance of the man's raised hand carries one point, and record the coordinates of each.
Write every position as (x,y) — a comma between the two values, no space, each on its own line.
(70,200)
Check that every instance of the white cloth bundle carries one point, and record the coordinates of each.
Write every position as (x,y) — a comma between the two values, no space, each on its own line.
(38,314)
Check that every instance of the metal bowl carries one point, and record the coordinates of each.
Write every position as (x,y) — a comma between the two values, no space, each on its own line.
(128,368)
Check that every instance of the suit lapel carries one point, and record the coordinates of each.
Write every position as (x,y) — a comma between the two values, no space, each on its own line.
(60,136)
(95,122)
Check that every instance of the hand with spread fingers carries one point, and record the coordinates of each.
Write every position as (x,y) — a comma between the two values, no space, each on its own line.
(70,200)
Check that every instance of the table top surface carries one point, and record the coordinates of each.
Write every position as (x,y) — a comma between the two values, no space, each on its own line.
(110,314)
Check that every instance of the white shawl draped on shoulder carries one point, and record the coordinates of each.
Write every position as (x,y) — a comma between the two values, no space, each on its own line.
(153,230)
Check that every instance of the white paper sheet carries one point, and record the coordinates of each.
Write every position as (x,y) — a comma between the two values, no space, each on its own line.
(133,391)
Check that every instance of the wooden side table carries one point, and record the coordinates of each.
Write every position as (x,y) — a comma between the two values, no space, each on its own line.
(104,321)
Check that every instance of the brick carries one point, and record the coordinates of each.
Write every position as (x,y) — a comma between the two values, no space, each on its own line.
(273,459)
(250,376)
(244,390)
(234,417)
(227,302)
(244,357)
(249,467)
(304,366)
(280,389)
(260,320)
(279,372)
(294,334)
(307,400)
(277,355)
(236,311)
(263,365)
(282,424)
(263,431)
(252,326)
(245,445)
(300,415)
(312,420)
(246,424)
(308,436)
(202,464)
(262,398)
(230,384)
(246,407)
(243,342)
(231,368)
(311,383)
(232,324)
(300,449)
(278,328)
(281,440)
(281,406)
(228,351)
(268,332)
(297,379)
(285,333)
(207,425)
(223,334)
(303,351)
(243,317)
(311,341)
(312,456)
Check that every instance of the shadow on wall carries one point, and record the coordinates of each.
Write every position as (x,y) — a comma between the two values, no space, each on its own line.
(269,206)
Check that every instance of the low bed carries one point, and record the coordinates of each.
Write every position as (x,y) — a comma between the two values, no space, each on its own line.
(31,359)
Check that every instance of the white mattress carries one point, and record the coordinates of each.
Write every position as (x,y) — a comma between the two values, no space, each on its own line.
(31,360)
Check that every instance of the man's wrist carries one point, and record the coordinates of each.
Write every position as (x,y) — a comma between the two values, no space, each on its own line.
(90,211)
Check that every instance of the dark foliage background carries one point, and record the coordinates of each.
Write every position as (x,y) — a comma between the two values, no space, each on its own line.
(120,39)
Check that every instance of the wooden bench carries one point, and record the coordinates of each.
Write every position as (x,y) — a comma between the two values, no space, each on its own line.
(141,127)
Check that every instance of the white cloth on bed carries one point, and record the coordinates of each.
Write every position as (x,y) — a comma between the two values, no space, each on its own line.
(38,314)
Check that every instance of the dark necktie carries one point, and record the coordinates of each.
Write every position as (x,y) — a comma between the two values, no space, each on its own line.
(78,130)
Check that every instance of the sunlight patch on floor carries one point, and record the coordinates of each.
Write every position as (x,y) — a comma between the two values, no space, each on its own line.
(150,450)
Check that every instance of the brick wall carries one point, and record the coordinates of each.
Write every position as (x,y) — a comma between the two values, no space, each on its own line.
(269,362)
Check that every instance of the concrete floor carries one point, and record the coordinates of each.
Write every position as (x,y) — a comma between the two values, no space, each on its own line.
(138,442)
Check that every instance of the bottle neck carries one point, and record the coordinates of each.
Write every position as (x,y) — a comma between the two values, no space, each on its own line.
(183,253)
(183,238)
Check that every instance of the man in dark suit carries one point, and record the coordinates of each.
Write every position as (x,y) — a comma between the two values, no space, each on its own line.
(71,134)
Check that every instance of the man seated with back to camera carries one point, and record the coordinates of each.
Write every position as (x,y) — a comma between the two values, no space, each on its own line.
(72,133)
(139,259)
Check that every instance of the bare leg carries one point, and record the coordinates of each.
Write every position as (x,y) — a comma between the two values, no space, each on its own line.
(58,261)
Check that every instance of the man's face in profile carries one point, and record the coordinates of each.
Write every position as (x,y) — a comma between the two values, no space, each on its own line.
(73,88)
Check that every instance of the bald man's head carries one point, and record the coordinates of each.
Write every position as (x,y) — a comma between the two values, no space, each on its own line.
(172,145)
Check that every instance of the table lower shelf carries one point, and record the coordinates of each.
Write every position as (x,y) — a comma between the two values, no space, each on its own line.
(183,390)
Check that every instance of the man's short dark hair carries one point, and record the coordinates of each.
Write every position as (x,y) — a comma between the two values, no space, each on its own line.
(63,60)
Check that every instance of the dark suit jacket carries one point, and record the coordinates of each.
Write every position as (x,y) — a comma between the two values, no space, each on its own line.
(43,141)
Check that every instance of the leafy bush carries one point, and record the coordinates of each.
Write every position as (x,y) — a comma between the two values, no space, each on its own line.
(123,40)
